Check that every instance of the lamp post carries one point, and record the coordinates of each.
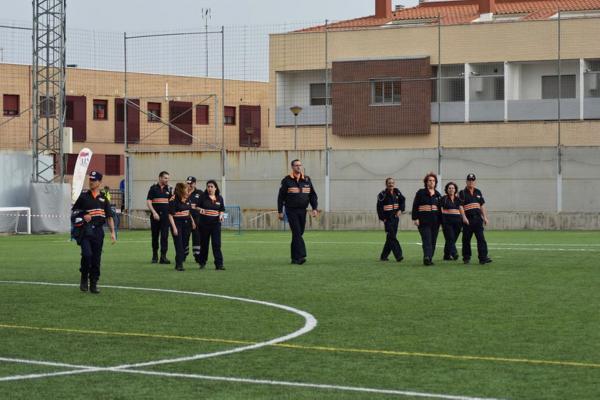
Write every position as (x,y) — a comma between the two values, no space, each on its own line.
(296,110)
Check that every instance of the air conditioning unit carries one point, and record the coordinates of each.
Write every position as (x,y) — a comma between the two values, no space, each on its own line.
(477,84)
(594,81)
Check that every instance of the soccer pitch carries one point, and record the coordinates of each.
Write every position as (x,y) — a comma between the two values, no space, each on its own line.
(342,326)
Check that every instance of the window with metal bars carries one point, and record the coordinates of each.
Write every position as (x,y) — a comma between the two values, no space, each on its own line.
(385,92)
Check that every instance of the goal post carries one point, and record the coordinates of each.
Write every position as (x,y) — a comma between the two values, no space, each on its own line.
(15,220)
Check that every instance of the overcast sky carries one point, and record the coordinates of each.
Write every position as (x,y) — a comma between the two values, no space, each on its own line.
(155,15)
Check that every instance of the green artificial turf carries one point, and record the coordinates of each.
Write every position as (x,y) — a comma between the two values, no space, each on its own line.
(526,326)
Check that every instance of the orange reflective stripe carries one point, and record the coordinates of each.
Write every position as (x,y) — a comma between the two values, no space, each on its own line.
(472,206)
(211,213)
(293,190)
(185,213)
(160,200)
(453,211)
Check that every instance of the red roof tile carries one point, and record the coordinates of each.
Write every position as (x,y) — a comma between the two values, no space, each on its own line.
(465,11)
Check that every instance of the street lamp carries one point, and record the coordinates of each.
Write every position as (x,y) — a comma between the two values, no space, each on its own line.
(296,110)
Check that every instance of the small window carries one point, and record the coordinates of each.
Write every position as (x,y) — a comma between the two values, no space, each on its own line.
(202,114)
(319,95)
(229,115)
(101,110)
(47,107)
(385,92)
(112,164)
(154,112)
(11,105)
(568,88)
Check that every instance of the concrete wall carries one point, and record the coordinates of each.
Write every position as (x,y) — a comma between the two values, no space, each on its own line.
(519,184)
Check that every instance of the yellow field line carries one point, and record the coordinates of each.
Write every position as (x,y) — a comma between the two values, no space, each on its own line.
(315,348)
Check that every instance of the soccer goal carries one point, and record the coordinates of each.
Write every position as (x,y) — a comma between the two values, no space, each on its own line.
(15,220)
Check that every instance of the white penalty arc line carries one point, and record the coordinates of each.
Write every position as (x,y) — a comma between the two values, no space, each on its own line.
(267,382)
(310,322)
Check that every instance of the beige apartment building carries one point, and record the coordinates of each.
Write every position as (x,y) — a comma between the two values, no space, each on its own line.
(167,113)
(372,82)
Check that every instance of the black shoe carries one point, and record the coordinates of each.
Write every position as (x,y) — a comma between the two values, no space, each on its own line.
(467,260)
(447,258)
(301,261)
(485,261)
(455,257)
(427,261)
(179,268)
(164,260)
(154,260)
(94,287)
(399,259)
(83,285)
(220,268)
(202,265)
(384,259)
(295,262)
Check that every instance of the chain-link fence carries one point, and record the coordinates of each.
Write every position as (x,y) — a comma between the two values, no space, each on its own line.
(370,100)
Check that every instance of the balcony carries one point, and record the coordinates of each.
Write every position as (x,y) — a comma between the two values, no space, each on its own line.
(310,115)
(451,111)
(542,110)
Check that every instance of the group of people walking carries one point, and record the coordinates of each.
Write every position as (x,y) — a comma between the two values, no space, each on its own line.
(186,212)
(456,211)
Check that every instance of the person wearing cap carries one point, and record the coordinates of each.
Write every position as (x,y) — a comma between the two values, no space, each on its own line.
(426,216)
(195,196)
(157,202)
(212,213)
(96,211)
(390,204)
(181,221)
(451,220)
(296,193)
(474,219)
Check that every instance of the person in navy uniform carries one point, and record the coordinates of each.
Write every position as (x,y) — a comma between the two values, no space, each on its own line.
(157,202)
(212,209)
(451,220)
(390,204)
(95,210)
(426,216)
(475,218)
(296,193)
(195,197)
(181,222)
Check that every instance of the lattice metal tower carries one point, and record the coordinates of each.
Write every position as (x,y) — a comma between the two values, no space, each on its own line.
(48,89)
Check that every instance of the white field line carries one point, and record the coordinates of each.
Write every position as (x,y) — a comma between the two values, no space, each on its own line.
(309,325)
(310,385)
(556,246)
(45,363)
(230,380)
(310,322)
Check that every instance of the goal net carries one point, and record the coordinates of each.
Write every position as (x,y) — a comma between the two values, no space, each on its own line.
(15,220)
